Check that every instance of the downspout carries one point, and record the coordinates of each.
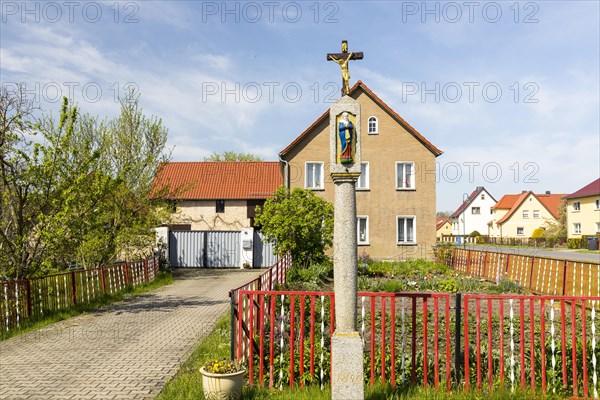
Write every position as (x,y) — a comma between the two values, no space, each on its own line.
(286,178)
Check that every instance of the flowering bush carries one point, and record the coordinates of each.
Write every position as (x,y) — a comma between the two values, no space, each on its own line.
(222,366)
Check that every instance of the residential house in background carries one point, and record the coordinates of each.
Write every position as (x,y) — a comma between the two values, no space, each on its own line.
(395,194)
(518,215)
(443,227)
(473,214)
(218,196)
(583,211)
(213,206)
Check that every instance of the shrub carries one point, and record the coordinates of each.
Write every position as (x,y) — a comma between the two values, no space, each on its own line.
(443,253)
(474,234)
(574,243)
(392,286)
(538,233)
(316,274)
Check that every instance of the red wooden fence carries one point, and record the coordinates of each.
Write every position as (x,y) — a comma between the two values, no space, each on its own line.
(538,342)
(31,298)
(547,343)
(275,275)
(406,337)
(542,275)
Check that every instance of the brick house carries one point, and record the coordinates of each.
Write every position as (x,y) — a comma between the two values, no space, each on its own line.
(396,192)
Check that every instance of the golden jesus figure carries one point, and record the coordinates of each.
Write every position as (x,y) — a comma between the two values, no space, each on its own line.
(343,63)
(342,60)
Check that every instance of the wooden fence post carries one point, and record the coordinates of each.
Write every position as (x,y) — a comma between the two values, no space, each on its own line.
(564,284)
(531,273)
(468,266)
(102,280)
(127,274)
(146,270)
(73,289)
(486,260)
(28,293)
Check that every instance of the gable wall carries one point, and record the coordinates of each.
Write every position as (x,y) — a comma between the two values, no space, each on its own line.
(531,203)
(475,222)
(382,203)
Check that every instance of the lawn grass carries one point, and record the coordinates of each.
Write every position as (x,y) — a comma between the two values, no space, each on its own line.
(162,278)
(187,383)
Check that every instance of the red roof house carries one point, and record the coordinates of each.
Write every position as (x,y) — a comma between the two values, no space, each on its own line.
(216,195)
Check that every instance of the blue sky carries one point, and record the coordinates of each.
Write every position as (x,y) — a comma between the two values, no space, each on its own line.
(508,90)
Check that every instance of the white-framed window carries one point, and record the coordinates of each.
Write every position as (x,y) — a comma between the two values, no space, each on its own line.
(577,228)
(520,231)
(525,214)
(536,214)
(597,204)
(406,229)
(482,196)
(362,229)
(576,206)
(475,210)
(597,227)
(373,126)
(314,175)
(405,175)
(363,180)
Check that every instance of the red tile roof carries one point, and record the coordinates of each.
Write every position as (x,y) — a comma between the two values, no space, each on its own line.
(439,222)
(507,201)
(551,202)
(374,97)
(512,202)
(219,180)
(588,190)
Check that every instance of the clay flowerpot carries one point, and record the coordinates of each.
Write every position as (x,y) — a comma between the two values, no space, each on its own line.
(222,386)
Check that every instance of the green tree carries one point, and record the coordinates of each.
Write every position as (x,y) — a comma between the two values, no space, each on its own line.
(298,222)
(74,190)
(232,156)
(558,229)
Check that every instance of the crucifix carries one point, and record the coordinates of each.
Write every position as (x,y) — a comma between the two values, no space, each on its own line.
(342,60)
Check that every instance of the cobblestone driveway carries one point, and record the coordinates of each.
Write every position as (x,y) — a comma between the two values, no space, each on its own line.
(125,351)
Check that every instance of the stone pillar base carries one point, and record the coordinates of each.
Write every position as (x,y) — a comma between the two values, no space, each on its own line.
(347,378)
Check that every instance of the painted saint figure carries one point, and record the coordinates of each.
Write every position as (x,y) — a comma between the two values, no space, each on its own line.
(346,132)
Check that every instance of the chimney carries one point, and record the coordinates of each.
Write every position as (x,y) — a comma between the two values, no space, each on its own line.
(547,192)
(523,191)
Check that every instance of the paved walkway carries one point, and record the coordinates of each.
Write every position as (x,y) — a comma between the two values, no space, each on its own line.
(126,351)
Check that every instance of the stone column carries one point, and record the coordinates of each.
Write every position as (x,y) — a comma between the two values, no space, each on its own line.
(345,283)
(347,379)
